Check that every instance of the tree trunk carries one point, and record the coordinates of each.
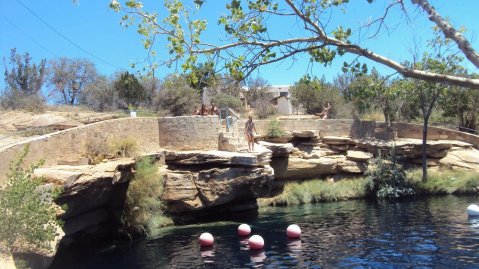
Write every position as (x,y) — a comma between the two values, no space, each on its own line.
(424,148)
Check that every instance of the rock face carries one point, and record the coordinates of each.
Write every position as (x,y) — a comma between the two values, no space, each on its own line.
(188,191)
(94,194)
(278,149)
(204,183)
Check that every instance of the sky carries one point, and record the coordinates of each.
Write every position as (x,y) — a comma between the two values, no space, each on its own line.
(90,29)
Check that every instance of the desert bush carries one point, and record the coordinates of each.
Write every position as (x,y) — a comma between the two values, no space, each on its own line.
(264,109)
(98,148)
(26,215)
(387,180)
(144,210)
(275,129)
(177,97)
(123,147)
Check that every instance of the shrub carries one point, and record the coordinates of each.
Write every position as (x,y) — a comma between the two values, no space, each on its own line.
(26,215)
(124,147)
(144,210)
(388,180)
(275,129)
(177,97)
(97,148)
(264,108)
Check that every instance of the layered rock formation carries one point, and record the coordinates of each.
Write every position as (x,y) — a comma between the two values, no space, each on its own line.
(210,183)
(93,194)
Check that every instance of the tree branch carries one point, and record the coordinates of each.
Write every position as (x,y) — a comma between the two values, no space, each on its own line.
(449,31)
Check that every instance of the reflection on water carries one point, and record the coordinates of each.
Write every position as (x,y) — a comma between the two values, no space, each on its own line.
(425,233)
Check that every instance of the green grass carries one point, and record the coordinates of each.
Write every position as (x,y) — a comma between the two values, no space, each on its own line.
(144,209)
(445,182)
(439,182)
(317,190)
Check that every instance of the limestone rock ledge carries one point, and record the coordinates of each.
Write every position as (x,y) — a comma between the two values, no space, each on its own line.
(187,191)
(209,183)
(94,194)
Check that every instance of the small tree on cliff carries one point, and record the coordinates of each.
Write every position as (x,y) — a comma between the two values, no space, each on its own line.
(26,214)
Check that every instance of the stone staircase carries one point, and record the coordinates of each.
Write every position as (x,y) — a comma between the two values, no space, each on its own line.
(233,138)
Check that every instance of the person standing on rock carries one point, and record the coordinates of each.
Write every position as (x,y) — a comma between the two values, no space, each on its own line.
(249,130)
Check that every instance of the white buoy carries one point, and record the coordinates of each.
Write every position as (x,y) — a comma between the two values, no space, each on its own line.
(293,231)
(206,239)
(473,210)
(256,242)
(244,230)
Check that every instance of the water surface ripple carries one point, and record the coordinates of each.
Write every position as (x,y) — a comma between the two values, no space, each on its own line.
(420,233)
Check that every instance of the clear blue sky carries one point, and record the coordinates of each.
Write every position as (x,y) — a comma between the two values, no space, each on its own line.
(94,30)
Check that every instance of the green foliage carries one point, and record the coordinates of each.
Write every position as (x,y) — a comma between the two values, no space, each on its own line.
(28,214)
(223,100)
(144,209)
(307,93)
(317,190)
(24,81)
(275,129)
(178,97)
(387,180)
(130,91)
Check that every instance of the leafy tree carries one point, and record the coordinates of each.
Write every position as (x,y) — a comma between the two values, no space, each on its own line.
(463,104)
(152,87)
(26,215)
(130,91)
(225,100)
(251,43)
(177,96)
(202,76)
(24,81)
(307,93)
(69,77)
(100,95)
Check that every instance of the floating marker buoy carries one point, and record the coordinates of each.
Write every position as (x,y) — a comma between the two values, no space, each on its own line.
(206,239)
(256,242)
(244,230)
(473,210)
(293,231)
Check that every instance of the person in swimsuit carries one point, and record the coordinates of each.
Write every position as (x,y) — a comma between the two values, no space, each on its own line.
(249,130)
(325,113)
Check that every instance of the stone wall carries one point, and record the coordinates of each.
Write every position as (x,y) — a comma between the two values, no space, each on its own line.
(306,123)
(406,130)
(151,134)
(189,132)
(70,144)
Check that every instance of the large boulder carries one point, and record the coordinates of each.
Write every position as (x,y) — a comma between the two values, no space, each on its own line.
(212,157)
(460,158)
(311,134)
(187,191)
(278,149)
(299,168)
(356,155)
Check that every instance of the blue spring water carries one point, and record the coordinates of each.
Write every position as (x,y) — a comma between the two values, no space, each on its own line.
(420,233)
